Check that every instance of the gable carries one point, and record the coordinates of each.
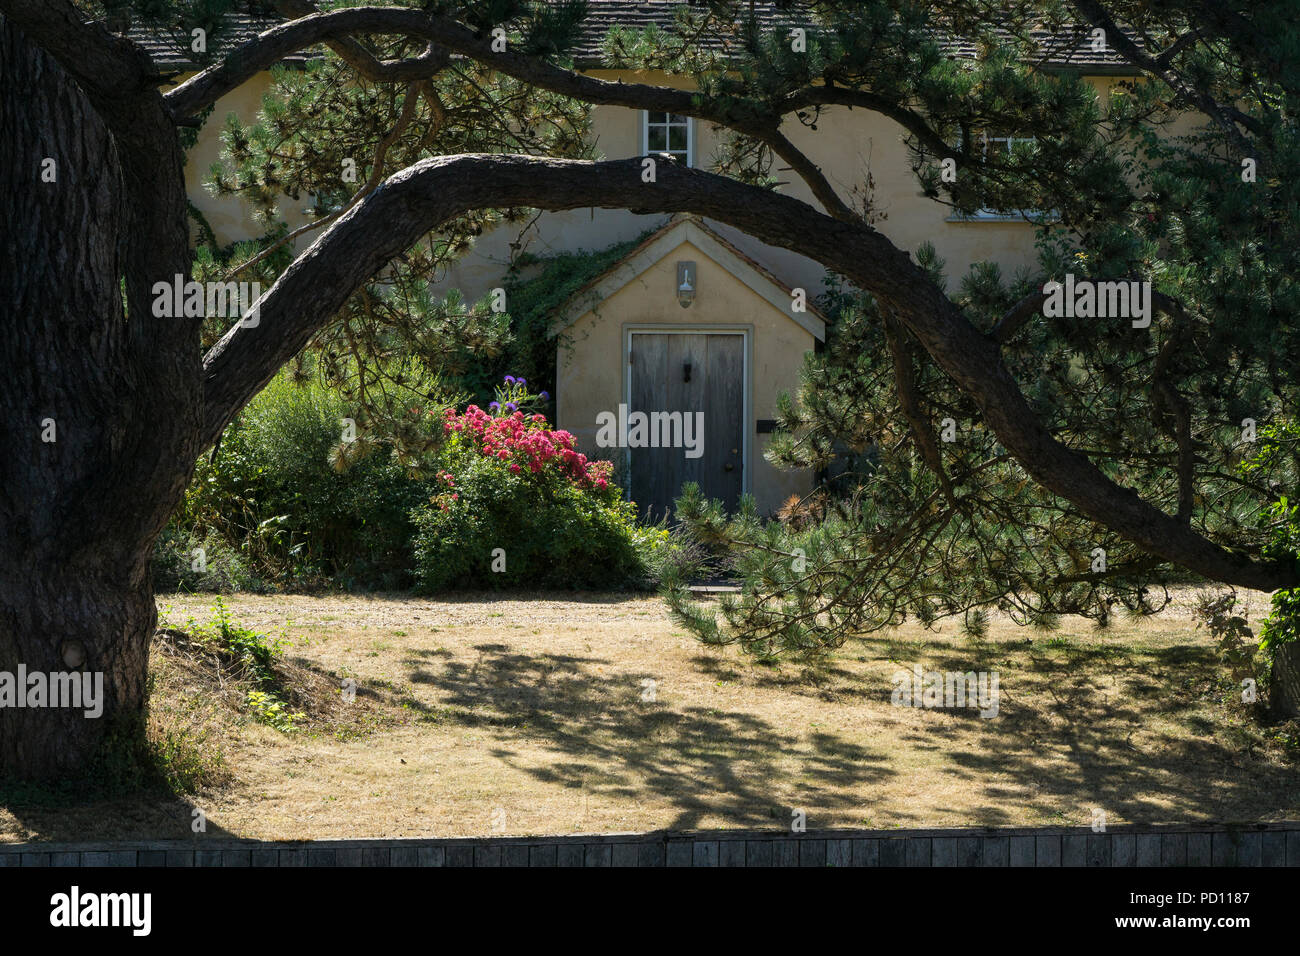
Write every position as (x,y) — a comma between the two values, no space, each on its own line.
(689,238)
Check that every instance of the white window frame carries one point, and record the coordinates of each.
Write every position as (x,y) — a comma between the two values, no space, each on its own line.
(690,133)
(1010,141)
(1001,215)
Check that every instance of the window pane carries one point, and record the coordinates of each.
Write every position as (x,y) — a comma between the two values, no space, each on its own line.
(656,139)
(656,117)
(677,138)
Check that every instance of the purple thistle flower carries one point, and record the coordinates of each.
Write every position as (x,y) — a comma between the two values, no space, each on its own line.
(521,382)
(511,406)
(545,396)
(510,380)
(494,406)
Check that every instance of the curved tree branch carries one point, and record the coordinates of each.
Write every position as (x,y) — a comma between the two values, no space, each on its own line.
(205,88)
(372,182)
(1015,318)
(809,172)
(909,119)
(447,35)
(353,53)
(418,199)
(1097,14)
(910,402)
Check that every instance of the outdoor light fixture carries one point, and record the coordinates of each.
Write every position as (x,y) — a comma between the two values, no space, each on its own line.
(685,283)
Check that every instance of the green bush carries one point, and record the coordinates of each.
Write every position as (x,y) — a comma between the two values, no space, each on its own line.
(183,561)
(1276,458)
(519,507)
(278,506)
(1282,626)
(285,513)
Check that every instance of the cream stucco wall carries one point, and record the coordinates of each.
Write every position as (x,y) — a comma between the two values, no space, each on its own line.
(231,219)
(846,145)
(592,370)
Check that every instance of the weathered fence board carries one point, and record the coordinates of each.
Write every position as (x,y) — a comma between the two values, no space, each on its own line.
(1246,845)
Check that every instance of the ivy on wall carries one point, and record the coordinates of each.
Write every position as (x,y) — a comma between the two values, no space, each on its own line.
(532,304)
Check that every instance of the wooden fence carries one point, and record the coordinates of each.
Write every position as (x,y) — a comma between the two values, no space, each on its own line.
(1251,845)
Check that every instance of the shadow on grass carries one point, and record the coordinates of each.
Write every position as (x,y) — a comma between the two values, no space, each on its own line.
(126,795)
(623,736)
(1062,743)
(1063,736)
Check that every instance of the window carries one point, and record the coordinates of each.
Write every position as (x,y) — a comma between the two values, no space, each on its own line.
(989,145)
(669,133)
(1003,144)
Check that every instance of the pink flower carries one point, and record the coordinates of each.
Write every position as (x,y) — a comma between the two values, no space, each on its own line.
(529,441)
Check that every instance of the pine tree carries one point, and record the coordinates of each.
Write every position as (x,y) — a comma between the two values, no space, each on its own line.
(1071,437)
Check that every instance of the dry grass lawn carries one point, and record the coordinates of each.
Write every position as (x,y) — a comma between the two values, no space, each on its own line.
(530,715)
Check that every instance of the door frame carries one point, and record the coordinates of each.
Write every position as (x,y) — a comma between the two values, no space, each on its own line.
(746,331)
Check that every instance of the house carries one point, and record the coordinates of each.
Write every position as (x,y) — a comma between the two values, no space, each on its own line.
(699,327)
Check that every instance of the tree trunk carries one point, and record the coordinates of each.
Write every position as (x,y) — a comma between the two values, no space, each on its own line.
(1284,689)
(94,621)
(98,438)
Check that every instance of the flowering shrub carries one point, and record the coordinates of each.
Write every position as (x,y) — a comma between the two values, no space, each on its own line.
(507,480)
(523,443)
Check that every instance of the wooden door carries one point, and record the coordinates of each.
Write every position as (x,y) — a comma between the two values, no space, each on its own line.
(688,373)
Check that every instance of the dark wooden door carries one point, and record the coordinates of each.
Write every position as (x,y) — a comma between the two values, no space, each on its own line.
(689,372)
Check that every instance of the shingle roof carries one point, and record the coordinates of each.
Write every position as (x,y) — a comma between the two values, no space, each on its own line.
(638,15)
(172,53)
(603,15)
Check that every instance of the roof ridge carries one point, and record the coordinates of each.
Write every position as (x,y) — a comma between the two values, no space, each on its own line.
(1074,50)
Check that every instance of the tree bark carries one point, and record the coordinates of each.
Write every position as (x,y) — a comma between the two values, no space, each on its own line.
(99,430)
(1284,692)
(95,620)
